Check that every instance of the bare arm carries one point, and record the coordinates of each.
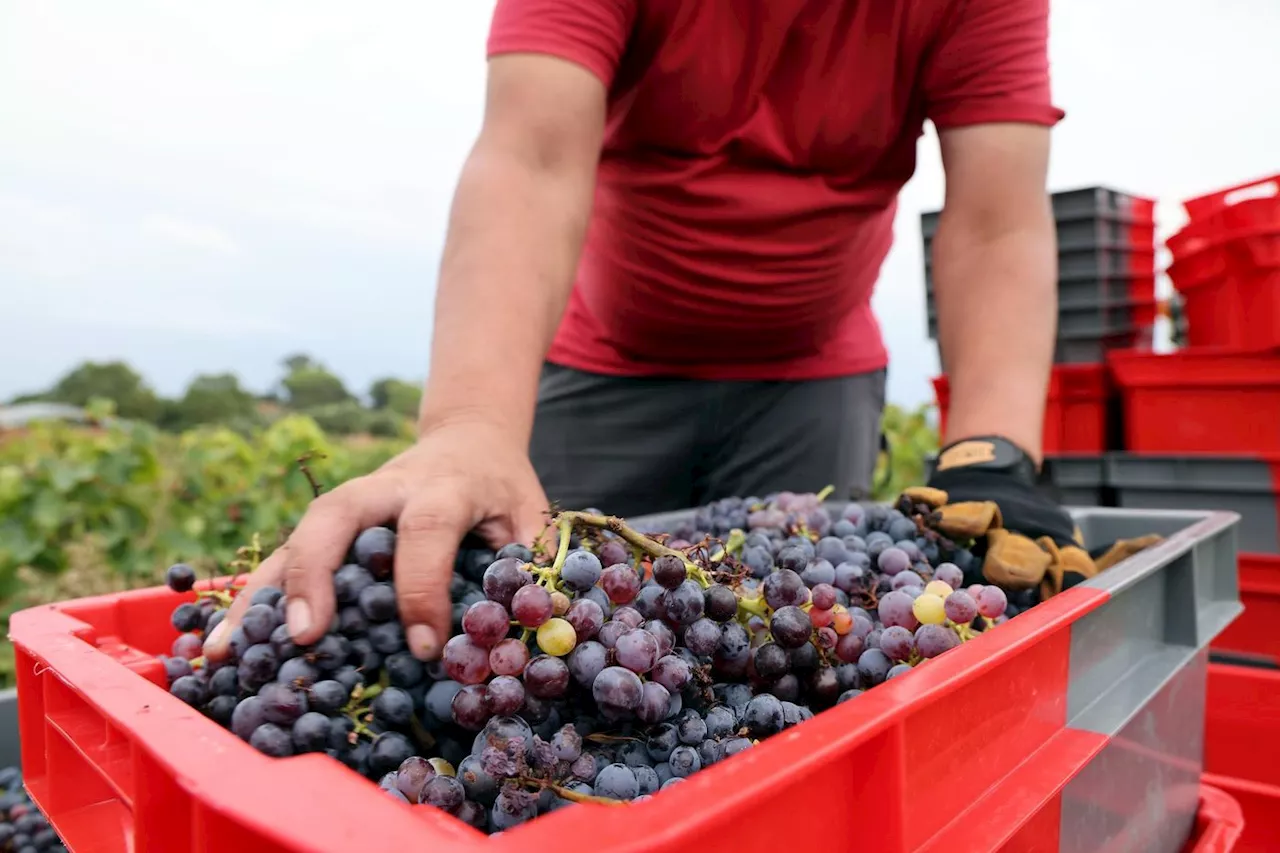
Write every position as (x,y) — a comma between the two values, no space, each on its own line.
(995,280)
(516,230)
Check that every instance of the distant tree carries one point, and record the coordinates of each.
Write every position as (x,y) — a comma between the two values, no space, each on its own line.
(112,380)
(397,395)
(213,398)
(309,384)
(344,418)
(299,361)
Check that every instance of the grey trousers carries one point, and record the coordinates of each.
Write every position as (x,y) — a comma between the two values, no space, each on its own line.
(630,446)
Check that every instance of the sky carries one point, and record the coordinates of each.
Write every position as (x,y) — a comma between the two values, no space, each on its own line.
(197,188)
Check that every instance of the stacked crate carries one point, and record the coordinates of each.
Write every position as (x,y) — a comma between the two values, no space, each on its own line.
(1106,301)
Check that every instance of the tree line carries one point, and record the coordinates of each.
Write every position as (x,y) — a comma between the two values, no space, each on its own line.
(389,407)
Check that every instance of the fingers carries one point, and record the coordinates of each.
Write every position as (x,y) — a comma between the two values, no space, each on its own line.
(427,538)
(320,542)
(270,572)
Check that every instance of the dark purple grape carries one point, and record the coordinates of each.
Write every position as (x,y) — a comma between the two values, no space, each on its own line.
(790,627)
(470,707)
(247,717)
(505,695)
(702,637)
(282,703)
(502,579)
(375,549)
(581,570)
(298,672)
(444,792)
(191,690)
(586,662)
(188,617)
(349,581)
(671,672)
(388,752)
(272,740)
(771,661)
(393,707)
(412,776)
(763,716)
(719,603)
(784,588)
(617,688)
(546,677)
(655,701)
(684,603)
(669,571)
(180,577)
(637,650)
(257,666)
(328,697)
(610,632)
(378,602)
(628,616)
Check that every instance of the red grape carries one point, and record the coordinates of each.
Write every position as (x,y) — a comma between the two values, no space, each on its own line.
(464,661)
(531,605)
(637,650)
(486,623)
(586,617)
(508,657)
(546,677)
(620,583)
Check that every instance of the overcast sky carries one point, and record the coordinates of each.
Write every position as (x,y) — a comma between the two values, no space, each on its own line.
(207,187)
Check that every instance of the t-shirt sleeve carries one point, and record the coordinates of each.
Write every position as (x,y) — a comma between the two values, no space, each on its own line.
(592,33)
(991,64)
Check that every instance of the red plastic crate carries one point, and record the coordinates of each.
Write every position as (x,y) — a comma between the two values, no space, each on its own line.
(1242,745)
(1240,310)
(1257,630)
(1260,805)
(1219,822)
(1245,205)
(119,764)
(1199,401)
(1077,411)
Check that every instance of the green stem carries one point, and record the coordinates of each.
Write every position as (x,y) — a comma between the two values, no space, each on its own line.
(825,493)
(617,526)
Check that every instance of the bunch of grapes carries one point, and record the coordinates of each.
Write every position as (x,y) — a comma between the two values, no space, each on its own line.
(22,827)
(613,666)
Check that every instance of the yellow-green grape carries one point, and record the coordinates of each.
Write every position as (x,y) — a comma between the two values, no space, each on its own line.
(559,603)
(929,609)
(939,588)
(556,637)
(442,767)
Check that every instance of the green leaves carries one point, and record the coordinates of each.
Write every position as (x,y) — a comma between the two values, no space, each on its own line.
(128,500)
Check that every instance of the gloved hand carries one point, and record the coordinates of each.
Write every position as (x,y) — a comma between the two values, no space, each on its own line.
(985,489)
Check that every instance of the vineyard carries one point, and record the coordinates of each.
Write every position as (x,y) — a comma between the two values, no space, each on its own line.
(86,510)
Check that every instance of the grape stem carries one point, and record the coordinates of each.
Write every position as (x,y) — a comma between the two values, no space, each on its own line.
(568,793)
(565,521)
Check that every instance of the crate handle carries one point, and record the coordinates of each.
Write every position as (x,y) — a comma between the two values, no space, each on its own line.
(1206,205)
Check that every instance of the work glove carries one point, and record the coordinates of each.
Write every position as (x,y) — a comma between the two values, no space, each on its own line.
(984,489)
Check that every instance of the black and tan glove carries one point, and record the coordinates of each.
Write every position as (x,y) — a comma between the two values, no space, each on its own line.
(984,489)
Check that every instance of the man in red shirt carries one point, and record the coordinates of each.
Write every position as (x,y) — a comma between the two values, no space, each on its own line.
(656,284)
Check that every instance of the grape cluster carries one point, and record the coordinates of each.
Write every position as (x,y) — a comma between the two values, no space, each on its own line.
(23,828)
(616,665)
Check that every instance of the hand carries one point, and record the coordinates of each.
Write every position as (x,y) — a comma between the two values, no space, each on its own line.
(457,478)
(985,489)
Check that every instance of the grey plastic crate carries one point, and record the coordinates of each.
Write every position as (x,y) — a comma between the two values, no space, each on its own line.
(1098,201)
(1093,262)
(1237,484)
(10,743)
(1137,676)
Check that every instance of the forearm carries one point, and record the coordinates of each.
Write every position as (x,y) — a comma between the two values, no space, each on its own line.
(515,234)
(996,292)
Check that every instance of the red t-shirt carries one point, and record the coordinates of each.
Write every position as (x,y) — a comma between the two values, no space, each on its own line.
(752,159)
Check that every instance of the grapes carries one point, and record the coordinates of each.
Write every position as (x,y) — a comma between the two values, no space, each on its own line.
(617,688)
(574,669)
(991,601)
(546,677)
(893,560)
(508,657)
(668,571)
(556,637)
(929,609)
(531,605)
(486,623)
(960,607)
(896,609)
(180,577)
(464,661)
(582,569)
(620,583)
